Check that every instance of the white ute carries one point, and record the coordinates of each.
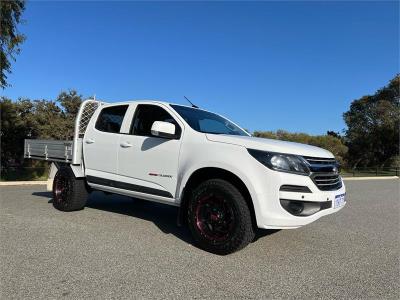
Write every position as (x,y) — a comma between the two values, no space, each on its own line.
(226,182)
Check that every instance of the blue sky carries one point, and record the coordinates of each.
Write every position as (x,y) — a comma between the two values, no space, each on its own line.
(266,65)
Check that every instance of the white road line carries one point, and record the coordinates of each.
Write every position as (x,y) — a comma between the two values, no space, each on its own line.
(7,183)
(370,178)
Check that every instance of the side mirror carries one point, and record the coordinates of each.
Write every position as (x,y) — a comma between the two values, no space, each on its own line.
(163,130)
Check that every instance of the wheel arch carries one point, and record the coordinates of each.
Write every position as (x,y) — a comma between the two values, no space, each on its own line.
(205,173)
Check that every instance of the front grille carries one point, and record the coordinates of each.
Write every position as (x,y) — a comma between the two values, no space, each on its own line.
(327,182)
(324,173)
(320,161)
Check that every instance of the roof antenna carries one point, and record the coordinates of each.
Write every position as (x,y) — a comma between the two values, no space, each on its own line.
(195,106)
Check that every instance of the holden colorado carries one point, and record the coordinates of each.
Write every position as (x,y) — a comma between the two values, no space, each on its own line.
(225,182)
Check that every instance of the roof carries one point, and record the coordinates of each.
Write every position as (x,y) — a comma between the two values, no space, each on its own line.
(145,101)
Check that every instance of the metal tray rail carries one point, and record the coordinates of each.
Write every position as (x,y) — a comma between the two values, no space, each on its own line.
(51,150)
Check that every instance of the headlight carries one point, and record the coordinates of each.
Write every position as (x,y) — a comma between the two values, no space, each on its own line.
(281,162)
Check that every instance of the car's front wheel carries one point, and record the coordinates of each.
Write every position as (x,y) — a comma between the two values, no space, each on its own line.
(219,217)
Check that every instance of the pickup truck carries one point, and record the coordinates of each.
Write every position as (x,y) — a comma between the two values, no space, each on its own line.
(225,182)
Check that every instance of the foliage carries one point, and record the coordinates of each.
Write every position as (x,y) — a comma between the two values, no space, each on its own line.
(328,141)
(371,140)
(10,38)
(44,119)
(39,172)
(13,130)
(373,127)
(71,102)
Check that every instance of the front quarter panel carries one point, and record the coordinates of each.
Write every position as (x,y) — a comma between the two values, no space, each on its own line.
(197,152)
(262,183)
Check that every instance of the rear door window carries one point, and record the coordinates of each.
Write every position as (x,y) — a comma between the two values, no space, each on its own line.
(110,118)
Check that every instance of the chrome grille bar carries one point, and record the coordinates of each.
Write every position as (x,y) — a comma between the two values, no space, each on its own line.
(324,173)
(329,184)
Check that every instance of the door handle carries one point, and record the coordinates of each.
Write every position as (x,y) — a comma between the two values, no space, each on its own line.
(89,141)
(125,145)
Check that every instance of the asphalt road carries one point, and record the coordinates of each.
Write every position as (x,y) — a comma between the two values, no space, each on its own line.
(121,248)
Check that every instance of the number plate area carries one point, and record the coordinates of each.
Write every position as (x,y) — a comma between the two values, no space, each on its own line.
(340,200)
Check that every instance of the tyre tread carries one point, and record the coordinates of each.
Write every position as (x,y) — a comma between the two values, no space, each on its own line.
(78,197)
(245,232)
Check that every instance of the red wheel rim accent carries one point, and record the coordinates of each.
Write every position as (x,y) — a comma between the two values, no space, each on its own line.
(214,218)
(62,189)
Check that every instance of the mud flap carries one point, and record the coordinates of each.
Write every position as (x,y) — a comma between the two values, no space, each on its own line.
(52,173)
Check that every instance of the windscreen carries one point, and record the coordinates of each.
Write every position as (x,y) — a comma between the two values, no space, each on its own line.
(207,122)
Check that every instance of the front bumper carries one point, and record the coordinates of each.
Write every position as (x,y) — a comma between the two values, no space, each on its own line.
(269,211)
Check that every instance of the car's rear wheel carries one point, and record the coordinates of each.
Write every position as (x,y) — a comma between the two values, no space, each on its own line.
(219,217)
(69,193)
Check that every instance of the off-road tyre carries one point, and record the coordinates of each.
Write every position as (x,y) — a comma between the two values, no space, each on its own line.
(219,217)
(69,193)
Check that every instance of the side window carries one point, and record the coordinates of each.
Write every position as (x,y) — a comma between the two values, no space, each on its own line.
(146,115)
(209,125)
(110,118)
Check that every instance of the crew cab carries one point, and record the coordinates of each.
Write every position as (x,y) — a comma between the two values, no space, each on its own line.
(225,182)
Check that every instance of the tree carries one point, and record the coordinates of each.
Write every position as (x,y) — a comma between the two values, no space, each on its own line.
(373,127)
(42,119)
(334,134)
(12,132)
(329,141)
(10,38)
(70,101)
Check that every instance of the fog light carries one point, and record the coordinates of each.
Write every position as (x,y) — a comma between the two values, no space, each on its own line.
(295,207)
(304,208)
